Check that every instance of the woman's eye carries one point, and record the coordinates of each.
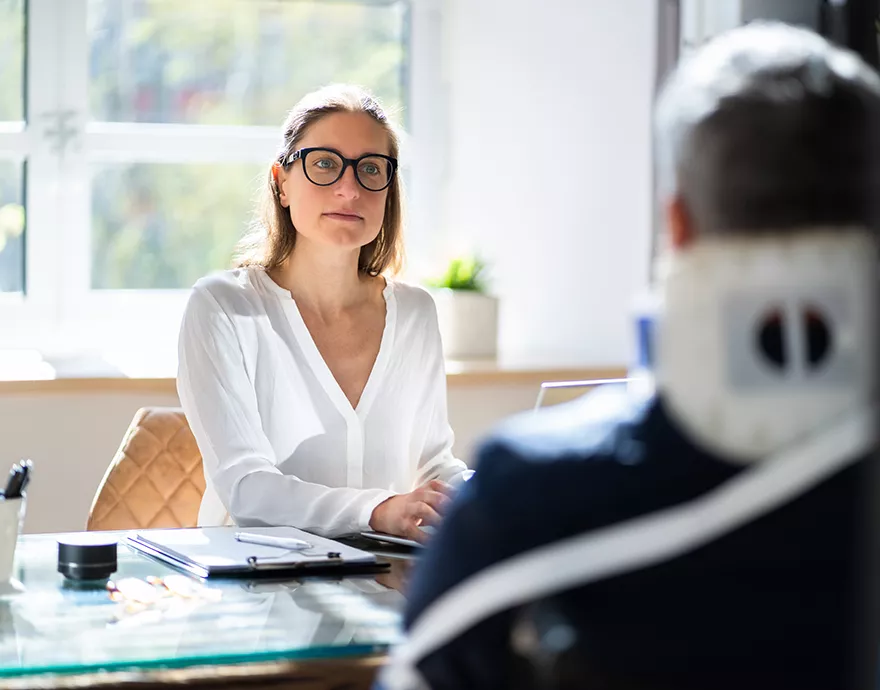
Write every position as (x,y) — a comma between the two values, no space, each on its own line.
(325,163)
(370,169)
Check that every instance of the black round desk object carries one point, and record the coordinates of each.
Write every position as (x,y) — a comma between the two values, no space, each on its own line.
(87,556)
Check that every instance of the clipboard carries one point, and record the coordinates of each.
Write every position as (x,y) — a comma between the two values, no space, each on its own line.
(214,552)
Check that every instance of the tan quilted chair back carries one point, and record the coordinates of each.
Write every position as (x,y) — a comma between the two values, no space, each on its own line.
(156,478)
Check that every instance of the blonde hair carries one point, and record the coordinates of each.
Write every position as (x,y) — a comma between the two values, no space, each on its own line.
(272,236)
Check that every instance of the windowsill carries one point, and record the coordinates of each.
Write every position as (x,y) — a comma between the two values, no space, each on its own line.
(29,371)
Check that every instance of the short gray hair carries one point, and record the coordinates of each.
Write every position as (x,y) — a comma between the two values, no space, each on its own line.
(771,127)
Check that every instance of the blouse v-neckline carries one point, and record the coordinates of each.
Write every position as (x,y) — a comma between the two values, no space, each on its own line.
(319,366)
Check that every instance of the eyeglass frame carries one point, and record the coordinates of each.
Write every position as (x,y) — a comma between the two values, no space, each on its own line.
(300,154)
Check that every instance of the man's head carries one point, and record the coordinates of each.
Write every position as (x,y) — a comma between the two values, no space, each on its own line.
(769,162)
(768,128)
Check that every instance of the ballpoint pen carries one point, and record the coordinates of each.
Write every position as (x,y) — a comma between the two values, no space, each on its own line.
(19,476)
(12,482)
(268,540)
(27,471)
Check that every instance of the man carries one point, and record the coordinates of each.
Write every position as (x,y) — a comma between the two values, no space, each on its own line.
(702,536)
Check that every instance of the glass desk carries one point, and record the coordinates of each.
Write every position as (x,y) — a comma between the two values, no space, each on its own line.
(178,622)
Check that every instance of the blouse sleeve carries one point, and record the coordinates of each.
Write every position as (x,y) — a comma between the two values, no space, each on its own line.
(436,460)
(221,407)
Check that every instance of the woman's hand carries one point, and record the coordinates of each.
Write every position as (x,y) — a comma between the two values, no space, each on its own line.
(403,514)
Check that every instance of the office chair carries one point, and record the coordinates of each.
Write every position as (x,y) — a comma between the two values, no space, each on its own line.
(156,478)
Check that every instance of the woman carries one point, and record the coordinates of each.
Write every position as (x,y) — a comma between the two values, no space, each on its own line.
(315,385)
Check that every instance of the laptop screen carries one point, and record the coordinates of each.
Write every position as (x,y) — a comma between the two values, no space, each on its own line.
(556,392)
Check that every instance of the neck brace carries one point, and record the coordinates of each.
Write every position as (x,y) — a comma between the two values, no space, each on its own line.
(759,342)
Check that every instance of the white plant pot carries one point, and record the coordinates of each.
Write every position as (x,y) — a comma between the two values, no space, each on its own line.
(468,324)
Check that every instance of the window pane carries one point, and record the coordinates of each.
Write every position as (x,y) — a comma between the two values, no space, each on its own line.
(12,228)
(242,62)
(11,60)
(164,225)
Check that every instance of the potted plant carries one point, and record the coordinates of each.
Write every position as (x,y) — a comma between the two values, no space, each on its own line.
(468,315)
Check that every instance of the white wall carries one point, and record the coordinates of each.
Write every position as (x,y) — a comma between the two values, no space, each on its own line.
(549,165)
(72,438)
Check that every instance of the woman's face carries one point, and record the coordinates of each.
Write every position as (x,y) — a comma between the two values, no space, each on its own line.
(343,214)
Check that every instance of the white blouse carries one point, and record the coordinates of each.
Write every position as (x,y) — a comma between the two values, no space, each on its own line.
(281,443)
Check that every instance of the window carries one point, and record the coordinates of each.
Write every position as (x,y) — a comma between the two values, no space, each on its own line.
(11,228)
(236,62)
(12,221)
(164,225)
(133,166)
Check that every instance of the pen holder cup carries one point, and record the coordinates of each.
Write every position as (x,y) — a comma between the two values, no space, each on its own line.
(12,512)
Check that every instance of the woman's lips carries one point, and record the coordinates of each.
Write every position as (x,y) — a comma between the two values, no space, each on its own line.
(344,215)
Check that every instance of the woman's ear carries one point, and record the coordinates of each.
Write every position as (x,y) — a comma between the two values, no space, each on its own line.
(678,220)
(280,175)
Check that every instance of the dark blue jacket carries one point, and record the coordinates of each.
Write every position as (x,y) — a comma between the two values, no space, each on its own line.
(767,606)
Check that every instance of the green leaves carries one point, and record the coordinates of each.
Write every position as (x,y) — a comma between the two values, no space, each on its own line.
(463,273)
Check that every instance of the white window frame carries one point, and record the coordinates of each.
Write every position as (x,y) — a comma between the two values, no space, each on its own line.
(703,19)
(59,311)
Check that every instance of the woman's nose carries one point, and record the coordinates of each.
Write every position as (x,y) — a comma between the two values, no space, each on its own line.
(347,186)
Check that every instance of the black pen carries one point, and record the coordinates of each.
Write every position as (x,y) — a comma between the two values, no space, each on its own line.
(12,481)
(18,479)
(27,466)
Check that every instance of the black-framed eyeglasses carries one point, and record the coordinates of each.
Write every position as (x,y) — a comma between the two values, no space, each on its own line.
(323,167)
